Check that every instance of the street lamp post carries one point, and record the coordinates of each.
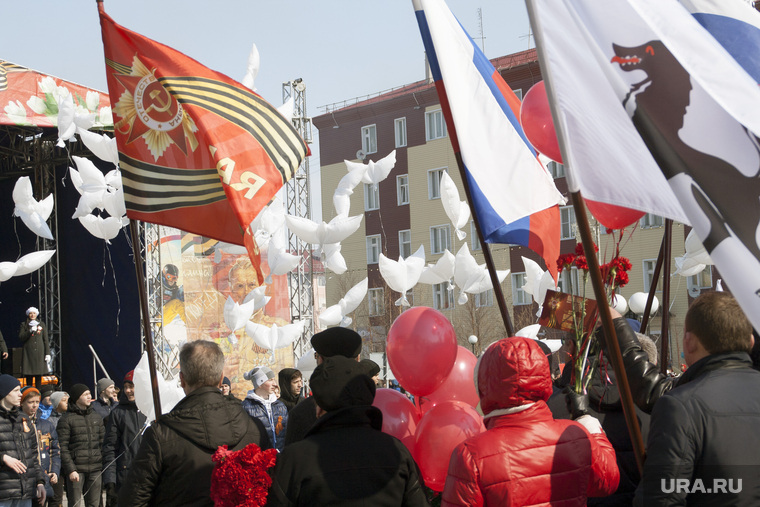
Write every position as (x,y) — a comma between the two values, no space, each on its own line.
(473,340)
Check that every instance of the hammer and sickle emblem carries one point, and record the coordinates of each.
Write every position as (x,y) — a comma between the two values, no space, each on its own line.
(155,97)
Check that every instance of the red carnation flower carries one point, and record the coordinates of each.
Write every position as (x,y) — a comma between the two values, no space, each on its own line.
(240,478)
(580,262)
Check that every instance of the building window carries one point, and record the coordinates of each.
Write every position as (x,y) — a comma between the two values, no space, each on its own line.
(405,243)
(570,282)
(567,222)
(435,126)
(650,221)
(484,298)
(375,300)
(402,189)
(519,296)
(369,139)
(371,197)
(702,280)
(434,183)
(648,266)
(440,239)
(373,249)
(556,169)
(475,239)
(399,126)
(518,92)
(443,298)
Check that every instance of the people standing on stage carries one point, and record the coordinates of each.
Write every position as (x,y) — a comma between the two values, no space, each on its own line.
(36,351)
(47,440)
(106,400)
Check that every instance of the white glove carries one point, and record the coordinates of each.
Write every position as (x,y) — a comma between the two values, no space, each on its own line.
(47,358)
(591,423)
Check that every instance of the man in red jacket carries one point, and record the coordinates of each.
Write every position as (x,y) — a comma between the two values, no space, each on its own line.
(527,457)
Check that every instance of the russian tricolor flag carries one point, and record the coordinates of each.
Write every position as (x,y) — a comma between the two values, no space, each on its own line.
(514,197)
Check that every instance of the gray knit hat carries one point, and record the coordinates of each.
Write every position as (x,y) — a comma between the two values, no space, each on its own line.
(56,397)
(104,384)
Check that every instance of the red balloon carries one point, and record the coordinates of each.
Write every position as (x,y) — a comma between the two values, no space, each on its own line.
(421,349)
(440,430)
(400,417)
(611,216)
(459,385)
(537,123)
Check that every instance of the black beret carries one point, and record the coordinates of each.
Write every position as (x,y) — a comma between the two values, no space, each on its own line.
(337,341)
(341,382)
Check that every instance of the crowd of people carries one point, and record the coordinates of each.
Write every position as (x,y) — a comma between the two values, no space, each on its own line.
(543,445)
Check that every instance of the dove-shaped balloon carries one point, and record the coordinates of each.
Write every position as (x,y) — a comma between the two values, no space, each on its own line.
(287,109)
(375,172)
(71,118)
(403,274)
(237,315)
(345,188)
(25,265)
(274,337)
(252,69)
(457,211)
(695,259)
(307,363)
(337,314)
(270,220)
(441,271)
(32,212)
(101,145)
(537,282)
(103,228)
(90,183)
(280,261)
(470,277)
(326,236)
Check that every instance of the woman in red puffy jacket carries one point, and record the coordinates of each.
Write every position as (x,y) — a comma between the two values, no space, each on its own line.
(527,457)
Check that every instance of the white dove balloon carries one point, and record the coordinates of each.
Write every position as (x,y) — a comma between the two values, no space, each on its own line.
(274,337)
(101,145)
(252,69)
(375,172)
(270,220)
(71,118)
(280,262)
(346,186)
(441,271)
(403,274)
(237,315)
(90,183)
(337,314)
(103,228)
(307,363)
(287,109)
(470,277)
(537,282)
(695,259)
(25,265)
(32,212)
(326,236)
(457,211)
(169,392)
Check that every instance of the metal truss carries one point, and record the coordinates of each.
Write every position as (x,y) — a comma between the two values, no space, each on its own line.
(300,280)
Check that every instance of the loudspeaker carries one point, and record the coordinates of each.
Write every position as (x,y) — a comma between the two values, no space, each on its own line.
(16,359)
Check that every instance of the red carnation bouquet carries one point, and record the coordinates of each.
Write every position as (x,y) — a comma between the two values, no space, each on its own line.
(614,276)
(240,478)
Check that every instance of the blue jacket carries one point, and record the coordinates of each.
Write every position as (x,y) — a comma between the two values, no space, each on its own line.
(275,423)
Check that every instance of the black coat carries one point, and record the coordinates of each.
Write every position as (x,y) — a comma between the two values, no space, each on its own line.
(17,439)
(36,347)
(605,405)
(300,420)
(707,427)
(173,465)
(346,460)
(289,398)
(122,441)
(80,435)
(104,408)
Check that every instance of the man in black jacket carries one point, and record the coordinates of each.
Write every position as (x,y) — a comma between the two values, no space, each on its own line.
(21,477)
(123,437)
(333,341)
(173,465)
(703,437)
(80,435)
(345,459)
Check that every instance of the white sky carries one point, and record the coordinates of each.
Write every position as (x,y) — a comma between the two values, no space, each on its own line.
(341,48)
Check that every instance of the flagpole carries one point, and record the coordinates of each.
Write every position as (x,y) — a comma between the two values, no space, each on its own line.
(653,286)
(498,293)
(613,347)
(665,327)
(142,291)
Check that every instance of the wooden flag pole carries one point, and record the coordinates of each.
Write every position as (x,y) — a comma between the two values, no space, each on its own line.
(497,292)
(653,287)
(665,328)
(613,347)
(141,289)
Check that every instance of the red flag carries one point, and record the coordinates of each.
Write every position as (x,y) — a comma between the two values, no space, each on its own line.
(197,150)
